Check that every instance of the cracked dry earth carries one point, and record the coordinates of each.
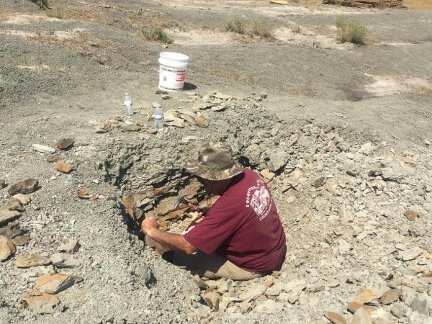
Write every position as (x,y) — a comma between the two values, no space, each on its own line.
(76,176)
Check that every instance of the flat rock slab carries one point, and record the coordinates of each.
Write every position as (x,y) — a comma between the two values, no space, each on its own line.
(52,283)
(24,187)
(366,295)
(64,260)
(32,261)
(410,254)
(7,248)
(70,247)
(335,318)
(42,303)
(7,216)
(390,296)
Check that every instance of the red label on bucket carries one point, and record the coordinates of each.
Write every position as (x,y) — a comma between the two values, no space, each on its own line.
(181,76)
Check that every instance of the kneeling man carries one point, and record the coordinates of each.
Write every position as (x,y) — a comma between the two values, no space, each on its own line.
(241,236)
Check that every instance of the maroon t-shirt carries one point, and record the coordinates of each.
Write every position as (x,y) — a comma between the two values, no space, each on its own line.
(244,226)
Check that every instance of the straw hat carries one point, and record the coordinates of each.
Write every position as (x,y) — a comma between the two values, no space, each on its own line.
(215,162)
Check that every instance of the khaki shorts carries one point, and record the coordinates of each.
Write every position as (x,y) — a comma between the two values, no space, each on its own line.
(211,266)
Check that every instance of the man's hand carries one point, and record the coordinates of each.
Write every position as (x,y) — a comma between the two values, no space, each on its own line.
(148,224)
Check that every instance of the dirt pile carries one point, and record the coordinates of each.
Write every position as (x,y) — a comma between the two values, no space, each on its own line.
(367,3)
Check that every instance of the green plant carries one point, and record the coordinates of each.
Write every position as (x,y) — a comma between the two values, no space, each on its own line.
(43,4)
(236,25)
(158,34)
(350,31)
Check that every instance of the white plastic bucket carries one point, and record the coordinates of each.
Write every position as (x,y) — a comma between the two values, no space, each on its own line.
(172,70)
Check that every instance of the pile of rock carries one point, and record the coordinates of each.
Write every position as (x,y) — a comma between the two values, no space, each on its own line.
(47,279)
(338,198)
(366,3)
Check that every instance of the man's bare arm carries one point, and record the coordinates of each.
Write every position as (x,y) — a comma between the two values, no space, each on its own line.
(175,241)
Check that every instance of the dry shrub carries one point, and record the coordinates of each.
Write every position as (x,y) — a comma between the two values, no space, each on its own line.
(43,4)
(156,33)
(256,27)
(350,31)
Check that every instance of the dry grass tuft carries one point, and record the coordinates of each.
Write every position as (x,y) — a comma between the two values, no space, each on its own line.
(157,34)
(350,31)
(255,27)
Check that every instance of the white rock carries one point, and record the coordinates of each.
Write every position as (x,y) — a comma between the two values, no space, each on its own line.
(43,148)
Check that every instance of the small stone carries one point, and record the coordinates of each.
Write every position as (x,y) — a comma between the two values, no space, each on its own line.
(31,261)
(63,166)
(410,254)
(70,247)
(52,283)
(267,174)
(420,305)
(319,182)
(24,187)
(7,216)
(21,240)
(361,317)
(390,296)
(399,310)
(3,183)
(7,248)
(43,303)
(335,318)
(411,214)
(253,293)
(43,148)
(366,148)
(201,121)
(65,143)
(23,199)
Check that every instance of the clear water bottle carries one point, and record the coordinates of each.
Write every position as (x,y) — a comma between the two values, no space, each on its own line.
(158,117)
(128,105)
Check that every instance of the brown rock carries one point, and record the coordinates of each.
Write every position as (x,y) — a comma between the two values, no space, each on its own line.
(366,295)
(390,296)
(24,187)
(70,247)
(32,260)
(353,307)
(23,199)
(63,166)
(52,283)
(191,189)
(335,318)
(166,205)
(7,248)
(367,3)
(21,240)
(84,194)
(65,143)
(201,120)
(42,303)
(411,214)
(7,216)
